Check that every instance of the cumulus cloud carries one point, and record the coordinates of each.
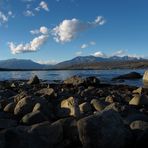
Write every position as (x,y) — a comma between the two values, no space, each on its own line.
(29,13)
(43,5)
(69,29)
(42,30)
(84,46)
(32,46)
(119,53)
(3,18)
(99,54)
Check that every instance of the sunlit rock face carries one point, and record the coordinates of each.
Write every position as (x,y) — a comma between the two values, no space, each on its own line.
(145,79)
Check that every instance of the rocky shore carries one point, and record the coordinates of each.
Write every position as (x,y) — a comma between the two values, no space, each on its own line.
(77,113)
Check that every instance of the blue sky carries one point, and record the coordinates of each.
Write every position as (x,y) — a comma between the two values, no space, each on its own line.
(51,31)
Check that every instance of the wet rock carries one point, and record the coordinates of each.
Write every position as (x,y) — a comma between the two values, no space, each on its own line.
(71,104)
(145,76)
(10,107)
(109,99)
(47,135)
(139,124)
(7,123)
(34,80)
(85,108)
(98,105)
(24,106)
(139,100)
(138,91)
(7,93)
(33,118)
(77,80)
(45,108)
(48,93)
(132,75)
(42,135)
(70,132)
(114,106)
(103,130)
(142,139)
(20,96)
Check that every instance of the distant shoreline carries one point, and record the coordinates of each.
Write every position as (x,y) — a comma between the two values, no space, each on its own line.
(1,70)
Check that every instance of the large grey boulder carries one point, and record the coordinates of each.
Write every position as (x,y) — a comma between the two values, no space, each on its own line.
(48,93)
(77,80)
(42,135)
(7,123)
(24,106)
(145,76)
(132,75)
(102,130)
(33,118)
(71,105)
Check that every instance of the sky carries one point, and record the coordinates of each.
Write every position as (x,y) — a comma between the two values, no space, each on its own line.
(51,31)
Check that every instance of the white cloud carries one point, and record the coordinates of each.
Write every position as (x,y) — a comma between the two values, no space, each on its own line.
(32,46)
(99,54)
(69,29)
(43,5)
(42,30)
(78,53)
(119,53)
(29,13)
(84,46)
(3,18)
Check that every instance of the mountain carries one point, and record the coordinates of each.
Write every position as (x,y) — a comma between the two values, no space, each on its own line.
(83,61)
(20,64)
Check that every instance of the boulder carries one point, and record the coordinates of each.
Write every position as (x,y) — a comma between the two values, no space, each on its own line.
(142,140)
(103,130)
(145,76)
(20,96)
(109,99)
(98,105)
(24,106)
(132,75)
(138,91)
(77,80)
(139,100)
(7,123)
(139,124)
(33,118)
(34,80)
(70,132)
(46,135)
(48,93)
(10,107)
(85,108)
(72,105)
(42,135)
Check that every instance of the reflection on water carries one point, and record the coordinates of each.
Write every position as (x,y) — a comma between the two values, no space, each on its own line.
(104,75)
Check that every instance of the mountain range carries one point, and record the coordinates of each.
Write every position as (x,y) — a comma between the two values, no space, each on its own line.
(81,62)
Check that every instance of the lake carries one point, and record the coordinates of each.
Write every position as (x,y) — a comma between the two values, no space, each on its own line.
(50,75)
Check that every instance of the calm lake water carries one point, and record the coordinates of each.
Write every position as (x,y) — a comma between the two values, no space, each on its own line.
(103,75)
